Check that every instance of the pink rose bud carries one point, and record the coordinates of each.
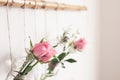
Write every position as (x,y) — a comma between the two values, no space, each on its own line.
(44,51)
(80,44)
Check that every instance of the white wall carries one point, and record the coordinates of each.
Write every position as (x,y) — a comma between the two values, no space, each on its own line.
(110,40)
(39,23)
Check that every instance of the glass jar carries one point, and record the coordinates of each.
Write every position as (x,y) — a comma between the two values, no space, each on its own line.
(50,75)
(16,65)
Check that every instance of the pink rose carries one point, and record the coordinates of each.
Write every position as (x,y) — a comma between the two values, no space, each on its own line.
(44,51)
(80,44)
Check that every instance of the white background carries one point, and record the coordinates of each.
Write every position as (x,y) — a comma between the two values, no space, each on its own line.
(99,25)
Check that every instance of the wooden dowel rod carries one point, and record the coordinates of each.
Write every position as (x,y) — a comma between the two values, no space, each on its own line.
(41,4)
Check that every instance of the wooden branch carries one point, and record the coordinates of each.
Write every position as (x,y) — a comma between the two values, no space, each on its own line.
(41,4)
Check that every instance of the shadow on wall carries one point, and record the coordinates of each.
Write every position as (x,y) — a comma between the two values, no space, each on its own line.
(110,40)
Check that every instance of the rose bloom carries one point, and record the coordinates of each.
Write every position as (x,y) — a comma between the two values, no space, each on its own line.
(44,51)
(80,44)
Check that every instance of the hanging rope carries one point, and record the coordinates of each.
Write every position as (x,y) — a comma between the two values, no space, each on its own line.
(57,18)
(35,20)
(45,20)
(24,6)
(10,72)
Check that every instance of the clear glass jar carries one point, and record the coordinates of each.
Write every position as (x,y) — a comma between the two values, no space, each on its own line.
(16,65)
(47,75)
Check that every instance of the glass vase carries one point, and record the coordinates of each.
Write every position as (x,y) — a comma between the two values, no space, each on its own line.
(16,67)
(50,75)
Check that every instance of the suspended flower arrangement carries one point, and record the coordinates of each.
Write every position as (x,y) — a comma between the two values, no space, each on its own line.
(44,52)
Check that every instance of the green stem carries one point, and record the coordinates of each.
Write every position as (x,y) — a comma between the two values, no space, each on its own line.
(29,65)
(26,62)
(35,64)
(23,73)
(44,77)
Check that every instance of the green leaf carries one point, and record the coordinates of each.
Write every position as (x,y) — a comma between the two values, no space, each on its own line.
(31,45)
(54,61)
(62,56)
(55,45)
(42,40)
(71,60)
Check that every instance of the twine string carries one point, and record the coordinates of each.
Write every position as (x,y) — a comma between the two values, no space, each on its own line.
(9,37)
